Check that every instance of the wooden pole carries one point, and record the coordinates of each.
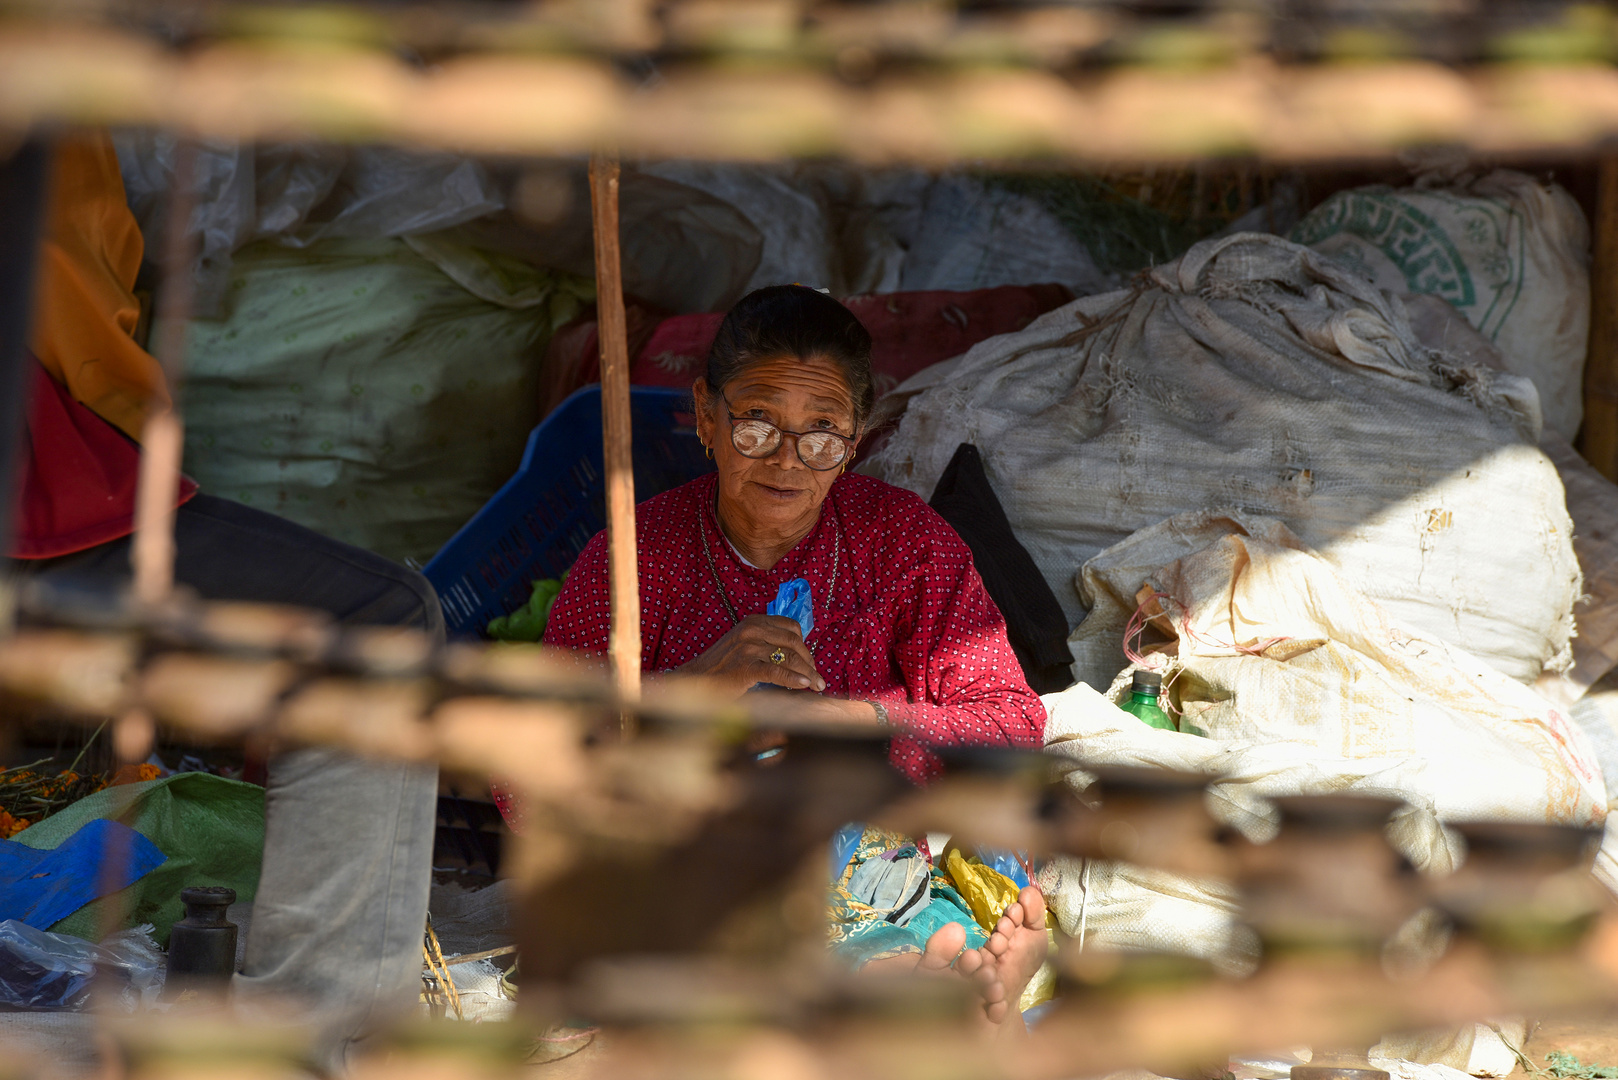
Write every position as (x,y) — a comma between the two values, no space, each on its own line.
(162,445)
(623,640)
(162,438)
(1598,439)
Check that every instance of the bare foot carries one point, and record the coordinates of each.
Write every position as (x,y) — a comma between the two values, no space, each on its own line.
(947,948)
(947,954)
(1017,948)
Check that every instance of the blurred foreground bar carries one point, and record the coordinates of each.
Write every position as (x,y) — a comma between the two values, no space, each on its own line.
(913,81)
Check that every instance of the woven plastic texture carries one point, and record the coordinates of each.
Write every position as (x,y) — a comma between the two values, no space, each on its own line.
(536,525)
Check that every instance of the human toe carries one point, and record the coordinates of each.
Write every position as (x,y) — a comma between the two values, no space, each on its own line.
(1032,904)
(997,1011)
(943,947)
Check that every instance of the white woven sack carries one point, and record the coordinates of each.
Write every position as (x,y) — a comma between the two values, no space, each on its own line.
(1085,729)
(1118,905)
(1273,646)
(1592,503)
(1259,374)
(1304,688)
(1510,253)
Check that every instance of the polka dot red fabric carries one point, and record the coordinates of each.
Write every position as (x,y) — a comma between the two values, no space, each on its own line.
(908,623)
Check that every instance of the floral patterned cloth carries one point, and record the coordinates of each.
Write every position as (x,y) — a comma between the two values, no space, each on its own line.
(858,933)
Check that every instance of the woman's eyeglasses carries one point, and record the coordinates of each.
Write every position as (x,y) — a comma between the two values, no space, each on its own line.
(755,438)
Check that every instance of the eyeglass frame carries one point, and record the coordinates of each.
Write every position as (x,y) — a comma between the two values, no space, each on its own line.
(850,442)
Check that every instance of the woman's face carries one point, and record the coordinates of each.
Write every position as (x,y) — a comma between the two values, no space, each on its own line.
(777,495)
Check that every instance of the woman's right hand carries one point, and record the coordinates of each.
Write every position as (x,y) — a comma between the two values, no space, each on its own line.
(741,659)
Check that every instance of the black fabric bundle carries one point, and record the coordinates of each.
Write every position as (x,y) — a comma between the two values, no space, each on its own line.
(1034,620)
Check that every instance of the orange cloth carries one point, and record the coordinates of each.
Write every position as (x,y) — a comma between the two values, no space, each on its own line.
(85,309)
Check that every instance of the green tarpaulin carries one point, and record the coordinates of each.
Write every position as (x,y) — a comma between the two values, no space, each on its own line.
(376,391)
(211,829)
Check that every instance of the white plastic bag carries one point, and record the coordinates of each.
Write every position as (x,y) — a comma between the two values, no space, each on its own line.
(973,235)
(41,971)
(789,212)
(295,193)
(1115,905)
(858,231)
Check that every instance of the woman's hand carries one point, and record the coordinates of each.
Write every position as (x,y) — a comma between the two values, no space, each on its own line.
(741,659)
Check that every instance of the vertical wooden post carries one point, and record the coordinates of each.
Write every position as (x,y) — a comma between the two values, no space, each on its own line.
(162,439)
(162,445)
(623,640)
(1598,439)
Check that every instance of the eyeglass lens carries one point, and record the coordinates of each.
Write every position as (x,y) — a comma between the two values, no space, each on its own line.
(819,450)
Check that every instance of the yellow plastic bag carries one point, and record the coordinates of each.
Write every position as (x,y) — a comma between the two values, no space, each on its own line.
(988,893)
(986,890)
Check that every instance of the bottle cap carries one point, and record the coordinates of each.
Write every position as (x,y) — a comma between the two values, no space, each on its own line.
(1148,681)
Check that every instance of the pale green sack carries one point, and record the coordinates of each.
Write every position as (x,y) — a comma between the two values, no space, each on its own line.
(361,388)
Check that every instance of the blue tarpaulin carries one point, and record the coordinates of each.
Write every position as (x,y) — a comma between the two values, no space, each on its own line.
(40,887)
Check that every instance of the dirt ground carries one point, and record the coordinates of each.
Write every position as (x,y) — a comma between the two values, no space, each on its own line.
(1592,1039)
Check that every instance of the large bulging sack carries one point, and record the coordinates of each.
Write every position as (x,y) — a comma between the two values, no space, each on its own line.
(1510,253)
(1272,646)
(1303,687)
(1260,374)
(371,391)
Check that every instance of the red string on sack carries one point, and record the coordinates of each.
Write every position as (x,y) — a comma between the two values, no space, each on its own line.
(1136,628)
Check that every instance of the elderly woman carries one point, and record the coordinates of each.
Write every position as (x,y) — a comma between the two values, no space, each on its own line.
(904,633)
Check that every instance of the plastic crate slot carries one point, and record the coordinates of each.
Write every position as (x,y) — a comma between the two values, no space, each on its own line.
(463,599)
(537,524)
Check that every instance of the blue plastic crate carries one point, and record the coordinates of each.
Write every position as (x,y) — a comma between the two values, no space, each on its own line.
(536,525)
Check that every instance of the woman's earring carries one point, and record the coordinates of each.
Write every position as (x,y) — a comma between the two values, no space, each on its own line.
(707,451)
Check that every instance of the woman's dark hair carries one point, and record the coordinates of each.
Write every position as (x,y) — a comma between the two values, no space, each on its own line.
(793,320)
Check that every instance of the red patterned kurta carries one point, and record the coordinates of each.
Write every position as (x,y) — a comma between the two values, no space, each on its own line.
(907,622)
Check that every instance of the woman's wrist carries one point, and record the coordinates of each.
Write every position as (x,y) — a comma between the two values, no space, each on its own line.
(853,711)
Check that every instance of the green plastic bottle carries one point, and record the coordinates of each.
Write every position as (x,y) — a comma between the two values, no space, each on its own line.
(1142,703)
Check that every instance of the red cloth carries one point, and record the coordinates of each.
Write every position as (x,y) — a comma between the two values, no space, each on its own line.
(78,477)
(909,331)
(909,623)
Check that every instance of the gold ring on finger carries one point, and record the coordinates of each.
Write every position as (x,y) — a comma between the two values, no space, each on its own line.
(779,656)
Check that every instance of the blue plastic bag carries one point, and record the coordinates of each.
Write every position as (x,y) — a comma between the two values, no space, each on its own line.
(795,602)
(41,887)
(844,843)
(1007,863)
